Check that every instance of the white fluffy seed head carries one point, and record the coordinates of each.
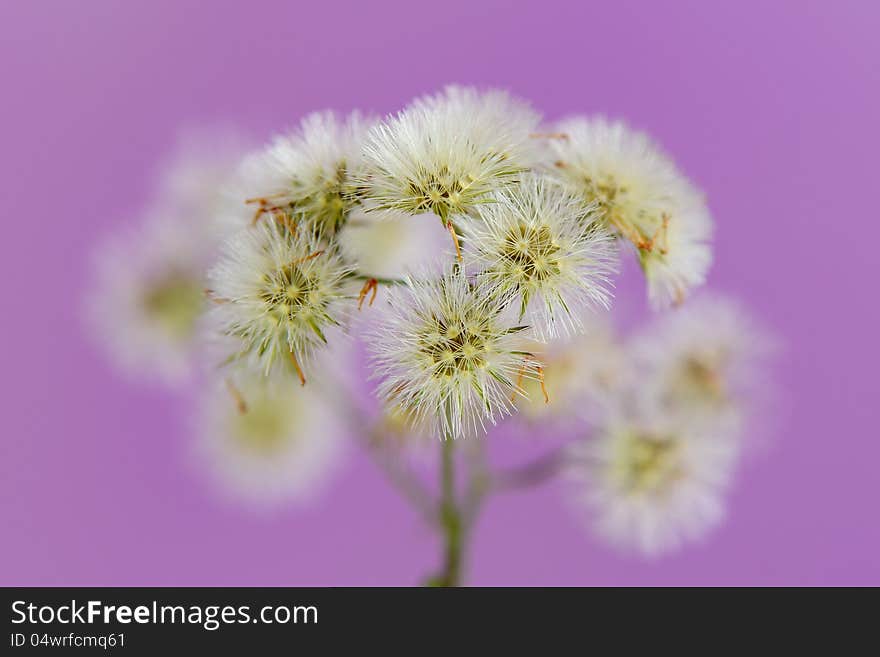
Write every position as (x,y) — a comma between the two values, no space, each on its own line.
(704,359)
(148,295)
(149,287)
(653,485)
(446,355)
(446,153)
(584,375)
(309,173)
(543,247)
(644,198)
(277,291)
(267,441)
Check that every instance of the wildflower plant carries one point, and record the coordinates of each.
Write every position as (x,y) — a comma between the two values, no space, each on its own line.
(642,197)
(147,298)
(546,250)
(275,444)
(447,154)
(653,483)
(277,289)
(473,251)
(448,355)
(309,173)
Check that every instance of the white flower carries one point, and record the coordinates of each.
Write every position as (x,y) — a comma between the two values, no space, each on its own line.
(149,291)
(542,246)
(391,246)
(584,375)
(703,359)
(267,440)
(147,296)
(446,355)
(654,484)
(309,173)
(278,292)
(645,199)
(445,154)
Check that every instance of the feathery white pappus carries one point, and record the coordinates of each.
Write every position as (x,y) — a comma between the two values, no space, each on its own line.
(644,198)
(446,153)
(653,484)
(277,291)
(447,356)
(267,440)
(346,212)
(584,375)
(704,358)
(147,296)
(308,173)
(541,245)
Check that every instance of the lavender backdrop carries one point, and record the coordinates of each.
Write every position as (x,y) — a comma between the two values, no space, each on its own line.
(771,106)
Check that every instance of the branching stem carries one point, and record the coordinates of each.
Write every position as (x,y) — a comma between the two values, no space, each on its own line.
(538,472)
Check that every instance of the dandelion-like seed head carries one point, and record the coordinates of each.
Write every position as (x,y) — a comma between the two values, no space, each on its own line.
(540,244)
(643,198)
(447,356)
(584,375)
(703,358)
(445,154)
(310,173)
(680,260)
(147,297)
(277,291)
(267,440)
(654,485)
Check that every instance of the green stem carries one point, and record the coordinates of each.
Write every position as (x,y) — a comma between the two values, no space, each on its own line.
(450,518)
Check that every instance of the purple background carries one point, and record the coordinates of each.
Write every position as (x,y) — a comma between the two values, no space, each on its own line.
(771,107)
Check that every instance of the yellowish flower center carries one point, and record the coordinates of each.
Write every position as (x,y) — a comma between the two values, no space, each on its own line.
(290,292)
(263,428)
(455,348)
(647,463)
(174,303)
(530,254)
(699,379)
